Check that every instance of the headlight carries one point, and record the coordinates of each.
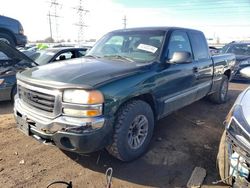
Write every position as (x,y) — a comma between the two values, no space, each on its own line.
(83,97)
(82,103)
(245,62)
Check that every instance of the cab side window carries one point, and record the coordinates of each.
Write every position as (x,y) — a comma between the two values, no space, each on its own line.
(178,42)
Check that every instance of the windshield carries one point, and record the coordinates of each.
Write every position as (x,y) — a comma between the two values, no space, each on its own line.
(139,46)
(42,57)
(238,49)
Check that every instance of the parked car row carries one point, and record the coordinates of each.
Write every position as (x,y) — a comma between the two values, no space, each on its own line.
(242,53)
(112,96)
(42,57)
(13,61)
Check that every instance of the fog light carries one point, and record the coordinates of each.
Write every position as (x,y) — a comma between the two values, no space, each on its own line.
(82,113)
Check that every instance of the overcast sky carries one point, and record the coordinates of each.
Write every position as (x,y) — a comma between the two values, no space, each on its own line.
(222,18)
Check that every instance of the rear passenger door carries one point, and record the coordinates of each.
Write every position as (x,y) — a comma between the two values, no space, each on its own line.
(203,65)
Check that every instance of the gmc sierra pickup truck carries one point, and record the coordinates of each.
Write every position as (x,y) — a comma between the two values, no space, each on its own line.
(113,96)
(11,31)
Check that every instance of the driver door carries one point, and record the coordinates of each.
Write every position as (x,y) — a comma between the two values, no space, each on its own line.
(176,80)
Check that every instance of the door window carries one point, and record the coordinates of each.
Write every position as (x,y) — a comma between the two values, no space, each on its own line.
(65,55)
(178,42)
(82,52)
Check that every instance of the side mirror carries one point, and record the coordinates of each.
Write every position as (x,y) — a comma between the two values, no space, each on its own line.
(181,57)
(245,72)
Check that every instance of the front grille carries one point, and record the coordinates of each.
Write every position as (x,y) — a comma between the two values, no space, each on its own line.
(38,100)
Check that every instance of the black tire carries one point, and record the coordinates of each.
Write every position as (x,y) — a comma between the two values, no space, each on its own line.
(223,161)
(220,96)
(127,144)
(13,93)
(7,38)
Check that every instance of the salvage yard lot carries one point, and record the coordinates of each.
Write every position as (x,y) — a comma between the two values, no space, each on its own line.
(182,141)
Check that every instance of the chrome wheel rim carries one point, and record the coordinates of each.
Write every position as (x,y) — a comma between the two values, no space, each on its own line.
(138,131)
(224,89)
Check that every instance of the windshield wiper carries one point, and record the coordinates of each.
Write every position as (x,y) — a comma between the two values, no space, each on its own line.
(119,57)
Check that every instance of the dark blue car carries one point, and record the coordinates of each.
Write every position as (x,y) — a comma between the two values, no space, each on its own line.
(11,62)
(11,31)
(242,54)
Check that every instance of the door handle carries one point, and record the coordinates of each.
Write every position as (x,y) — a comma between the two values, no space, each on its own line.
(195,69)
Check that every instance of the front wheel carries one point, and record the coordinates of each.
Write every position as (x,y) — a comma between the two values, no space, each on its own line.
(6,38)
(220,96)
(134,127)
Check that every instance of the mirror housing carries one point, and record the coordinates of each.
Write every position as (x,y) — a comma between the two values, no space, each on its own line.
(181,57)
(245,72)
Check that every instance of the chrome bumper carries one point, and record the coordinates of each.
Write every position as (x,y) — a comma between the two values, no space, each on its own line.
(47,126)
(96,133)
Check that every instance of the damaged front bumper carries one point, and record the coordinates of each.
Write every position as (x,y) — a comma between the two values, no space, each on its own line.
(81,135)
(239,157)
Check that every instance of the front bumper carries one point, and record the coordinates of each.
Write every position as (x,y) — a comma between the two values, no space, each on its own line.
(239,157)
(55,131)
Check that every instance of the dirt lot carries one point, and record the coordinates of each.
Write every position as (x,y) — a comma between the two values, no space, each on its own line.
(182,141)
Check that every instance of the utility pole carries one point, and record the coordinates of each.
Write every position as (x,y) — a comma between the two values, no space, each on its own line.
(124,22)
(81,11)
(54,5)
(50,29)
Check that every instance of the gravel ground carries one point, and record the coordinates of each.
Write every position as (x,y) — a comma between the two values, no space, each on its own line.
(181,141)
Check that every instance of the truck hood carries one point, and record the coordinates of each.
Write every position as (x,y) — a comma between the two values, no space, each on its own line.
(85,72)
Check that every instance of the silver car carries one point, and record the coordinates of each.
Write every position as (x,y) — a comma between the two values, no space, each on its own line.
(234,150)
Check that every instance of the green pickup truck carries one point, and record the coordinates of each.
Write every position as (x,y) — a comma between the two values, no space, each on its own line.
(113,97)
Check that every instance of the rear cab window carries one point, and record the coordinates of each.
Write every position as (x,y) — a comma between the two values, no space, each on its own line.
(199,45)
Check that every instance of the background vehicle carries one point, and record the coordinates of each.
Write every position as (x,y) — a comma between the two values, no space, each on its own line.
(113,96)
(11,31)
(49,55)
(11,62)
(242,53)
(213,50)
(234,150)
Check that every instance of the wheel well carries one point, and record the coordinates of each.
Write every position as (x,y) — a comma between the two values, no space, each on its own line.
(228,73)
(148,98)
(5,31)
(13,90)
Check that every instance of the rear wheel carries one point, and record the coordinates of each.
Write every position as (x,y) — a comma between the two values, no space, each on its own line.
(134,127)
(220,96)
(7,38)
(223,161)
